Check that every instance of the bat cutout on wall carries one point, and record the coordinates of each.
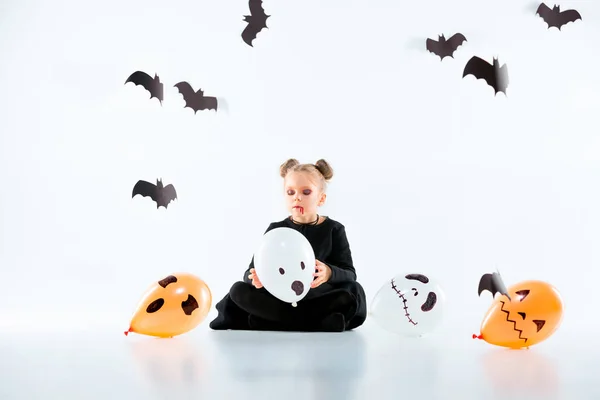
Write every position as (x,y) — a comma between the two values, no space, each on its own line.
(493,74)
(196,99)
(554,17)
(445,48)
(152,85)
(492,283)
(257,21)
(162,195)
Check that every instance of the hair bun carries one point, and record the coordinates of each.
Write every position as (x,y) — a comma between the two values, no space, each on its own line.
(324,168)
(285,167)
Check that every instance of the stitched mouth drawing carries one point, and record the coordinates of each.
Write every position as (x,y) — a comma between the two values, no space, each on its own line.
(300,208)
(513,321)
(403,298)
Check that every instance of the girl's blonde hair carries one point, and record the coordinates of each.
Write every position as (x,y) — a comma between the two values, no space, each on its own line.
(321,170)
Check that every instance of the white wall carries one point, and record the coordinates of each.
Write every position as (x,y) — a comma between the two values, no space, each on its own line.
(434,173)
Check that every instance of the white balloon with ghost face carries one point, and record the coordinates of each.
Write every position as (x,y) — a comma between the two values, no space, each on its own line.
(409,304)
(285,264)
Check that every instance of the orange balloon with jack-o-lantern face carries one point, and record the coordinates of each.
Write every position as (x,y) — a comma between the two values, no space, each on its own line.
(532,315)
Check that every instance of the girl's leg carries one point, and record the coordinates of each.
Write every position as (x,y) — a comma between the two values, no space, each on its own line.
(260,324)
(330,306)
(330,311)
(359,315)
(260,303)
(327,308)
(230,316)
(335,322)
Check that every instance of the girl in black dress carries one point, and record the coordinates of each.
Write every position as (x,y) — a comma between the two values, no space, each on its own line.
(336,301)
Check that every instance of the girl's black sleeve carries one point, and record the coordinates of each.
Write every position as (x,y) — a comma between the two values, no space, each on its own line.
(340,260)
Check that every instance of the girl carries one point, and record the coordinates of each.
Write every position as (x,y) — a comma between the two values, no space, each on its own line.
(336,301)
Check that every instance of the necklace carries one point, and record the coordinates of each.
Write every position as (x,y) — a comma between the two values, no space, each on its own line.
(306,223)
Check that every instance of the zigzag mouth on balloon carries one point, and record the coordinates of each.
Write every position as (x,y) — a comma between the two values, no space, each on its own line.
(512,320)
(401,295)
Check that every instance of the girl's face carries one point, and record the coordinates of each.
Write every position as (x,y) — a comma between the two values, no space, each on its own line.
(302,195)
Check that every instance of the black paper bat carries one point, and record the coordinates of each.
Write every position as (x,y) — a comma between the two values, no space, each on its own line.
(554,17)
(492,283)
(445,48)
(196,100)
(153,85)
(162,195)
(257,21)
(494,75)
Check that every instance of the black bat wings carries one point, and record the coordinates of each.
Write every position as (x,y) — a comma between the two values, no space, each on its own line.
(445,48)
(492,283)
(554,17)
(196,100)
(493,74)
(257,21)
(162,195)
(152,85)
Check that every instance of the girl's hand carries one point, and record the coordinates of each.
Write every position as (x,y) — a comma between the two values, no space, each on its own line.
(254,278)
(322,274)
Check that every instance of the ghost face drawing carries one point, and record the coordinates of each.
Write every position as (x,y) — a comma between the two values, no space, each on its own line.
(409,304)
(285,264)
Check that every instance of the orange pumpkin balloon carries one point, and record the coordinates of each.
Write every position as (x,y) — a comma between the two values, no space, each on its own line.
(532,315)
(172,306)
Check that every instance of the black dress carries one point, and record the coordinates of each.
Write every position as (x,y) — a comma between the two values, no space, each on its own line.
(337,305)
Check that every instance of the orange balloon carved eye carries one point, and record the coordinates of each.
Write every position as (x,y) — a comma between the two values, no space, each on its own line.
(155,306)
(189,305)
(522,294)
(539,323)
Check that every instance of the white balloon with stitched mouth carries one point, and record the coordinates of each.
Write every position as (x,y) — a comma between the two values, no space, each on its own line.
(411,304)
(285,264)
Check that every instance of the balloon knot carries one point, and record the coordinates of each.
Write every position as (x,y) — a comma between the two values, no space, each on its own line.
(127,332)
(477,337)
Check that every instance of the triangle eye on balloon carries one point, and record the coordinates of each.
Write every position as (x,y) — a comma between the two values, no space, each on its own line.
(194,99)
(522,294)
(539,323)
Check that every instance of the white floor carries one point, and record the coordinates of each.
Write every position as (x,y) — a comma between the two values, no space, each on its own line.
(365,364)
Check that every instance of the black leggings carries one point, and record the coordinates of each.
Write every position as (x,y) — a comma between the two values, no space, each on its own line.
(326,308)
